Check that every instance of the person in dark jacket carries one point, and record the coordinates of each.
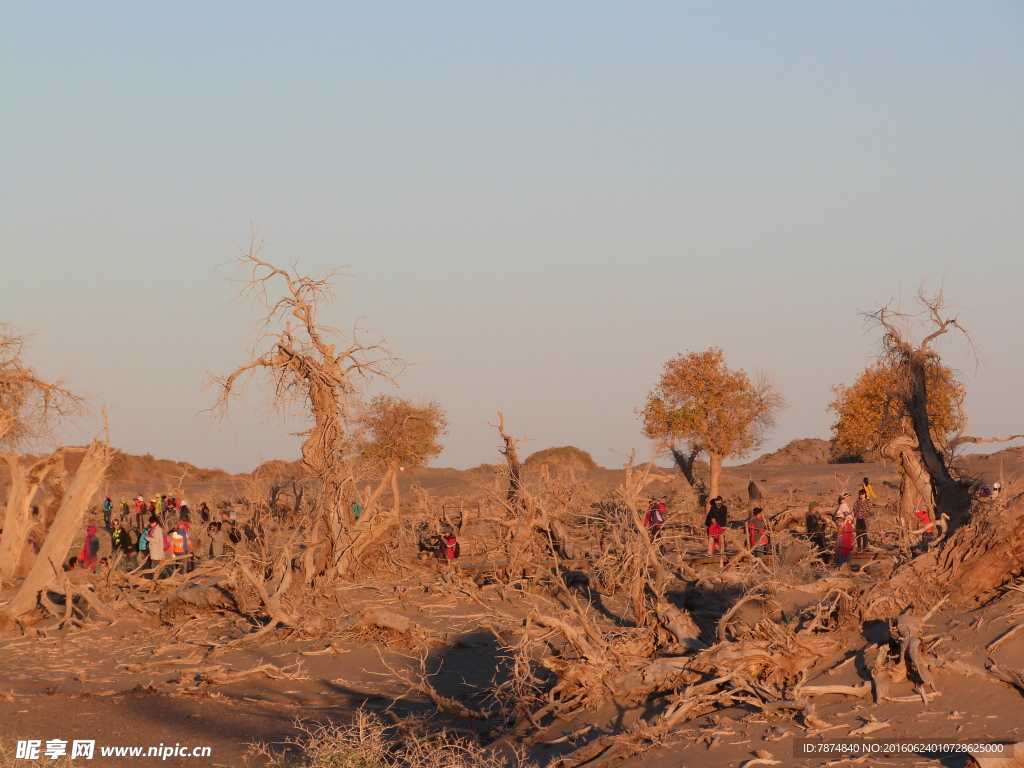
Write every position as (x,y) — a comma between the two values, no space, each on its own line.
(120,538)
(815,525)
(861,517)
(715,522)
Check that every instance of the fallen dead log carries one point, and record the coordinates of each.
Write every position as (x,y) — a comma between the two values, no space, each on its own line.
(194,597)
(861,691)
(803,706)
(382,619)
(681,625)
(264,670)
(909,629)
(48,564)
(657,675)
(1004,637)
(1014,677)
(869,728)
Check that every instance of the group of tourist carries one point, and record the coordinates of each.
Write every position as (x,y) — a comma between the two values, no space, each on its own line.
(851,526)
(160,537)
(164,507)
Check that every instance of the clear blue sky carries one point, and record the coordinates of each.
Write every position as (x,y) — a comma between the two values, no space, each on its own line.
(540,202)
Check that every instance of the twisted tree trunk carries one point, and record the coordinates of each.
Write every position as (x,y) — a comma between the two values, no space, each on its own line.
(969,566)
(49,565)
(25,482)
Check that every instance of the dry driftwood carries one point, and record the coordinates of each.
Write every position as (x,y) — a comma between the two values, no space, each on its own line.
(49,564)
(681,625)
(909,629)
(25,482)
(861,691)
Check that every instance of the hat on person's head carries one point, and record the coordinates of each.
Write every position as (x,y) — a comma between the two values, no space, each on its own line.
(845,495)
(718,498)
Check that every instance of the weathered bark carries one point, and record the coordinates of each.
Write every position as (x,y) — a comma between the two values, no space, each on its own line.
(560,534)
(48,566)
(915,482)
(951,497)
(681,625)
(716,474)
(25,482)
(373,526)
(514,496)
(909,628)
(685,462)
(395,498)
(969,565)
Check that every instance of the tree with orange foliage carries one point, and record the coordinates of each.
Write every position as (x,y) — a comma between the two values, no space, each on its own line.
(873,411)
(700,405)
(402,434)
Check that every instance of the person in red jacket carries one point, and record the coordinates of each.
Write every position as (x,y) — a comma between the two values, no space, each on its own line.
(757,534)
(924,516)
(654,520)
(449,546)
(716,520)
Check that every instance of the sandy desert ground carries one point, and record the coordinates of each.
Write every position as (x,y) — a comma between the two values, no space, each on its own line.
(155,674)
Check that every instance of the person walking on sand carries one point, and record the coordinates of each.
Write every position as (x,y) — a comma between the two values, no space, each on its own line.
(757,534)
(108,510)
(716,520)
(861,517)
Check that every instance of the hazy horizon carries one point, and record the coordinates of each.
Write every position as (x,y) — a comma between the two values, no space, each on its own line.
(538,203)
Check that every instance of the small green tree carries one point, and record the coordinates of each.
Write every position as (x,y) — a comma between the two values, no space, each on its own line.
(700,405)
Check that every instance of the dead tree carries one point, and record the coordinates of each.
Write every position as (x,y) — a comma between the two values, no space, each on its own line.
(49,564)
(25,482)
(307,367)
(31,409)
(514,498)
(914,360)
(979,550)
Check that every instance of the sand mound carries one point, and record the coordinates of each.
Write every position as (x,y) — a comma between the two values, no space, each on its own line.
(565,458)
(809,450)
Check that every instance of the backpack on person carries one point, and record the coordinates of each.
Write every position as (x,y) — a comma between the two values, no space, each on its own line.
(144,541)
